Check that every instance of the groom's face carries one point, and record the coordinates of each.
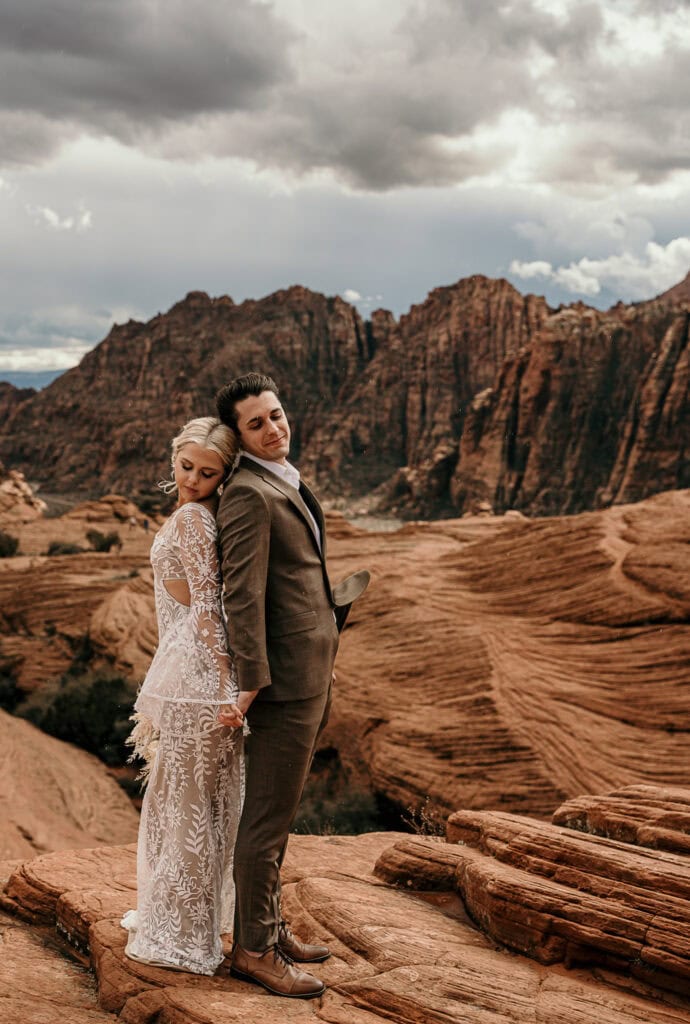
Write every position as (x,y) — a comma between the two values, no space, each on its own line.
(263,427)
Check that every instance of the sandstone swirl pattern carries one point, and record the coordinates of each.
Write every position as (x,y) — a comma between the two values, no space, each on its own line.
(394,911)
(495,662)
(511,664)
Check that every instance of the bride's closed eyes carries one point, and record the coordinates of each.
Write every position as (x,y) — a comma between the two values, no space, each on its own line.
(208,474)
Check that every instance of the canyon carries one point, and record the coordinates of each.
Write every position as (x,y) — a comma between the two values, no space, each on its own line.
(478,398)
(495,663)
(519,685)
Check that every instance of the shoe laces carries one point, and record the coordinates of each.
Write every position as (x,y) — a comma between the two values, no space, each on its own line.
(279,955)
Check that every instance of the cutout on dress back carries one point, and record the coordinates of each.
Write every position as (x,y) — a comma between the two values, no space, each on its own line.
(179,591)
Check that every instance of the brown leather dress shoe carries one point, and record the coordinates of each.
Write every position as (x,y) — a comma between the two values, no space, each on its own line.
(300,952)
(276,972)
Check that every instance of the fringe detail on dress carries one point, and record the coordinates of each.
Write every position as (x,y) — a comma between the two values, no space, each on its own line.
(144,742)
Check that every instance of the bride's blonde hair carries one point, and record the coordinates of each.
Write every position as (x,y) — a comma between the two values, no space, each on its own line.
(208,432)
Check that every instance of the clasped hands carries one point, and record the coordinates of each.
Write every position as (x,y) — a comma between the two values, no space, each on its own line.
(232,715)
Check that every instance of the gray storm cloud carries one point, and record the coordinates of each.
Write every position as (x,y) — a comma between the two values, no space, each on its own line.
(236,79)
(127,67)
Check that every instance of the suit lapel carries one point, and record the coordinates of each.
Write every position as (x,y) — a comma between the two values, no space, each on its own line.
(311,501)
(293,496)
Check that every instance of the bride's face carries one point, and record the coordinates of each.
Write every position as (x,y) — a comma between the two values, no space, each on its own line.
(198,472)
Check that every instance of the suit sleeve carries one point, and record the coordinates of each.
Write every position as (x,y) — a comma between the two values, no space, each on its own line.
(244,532)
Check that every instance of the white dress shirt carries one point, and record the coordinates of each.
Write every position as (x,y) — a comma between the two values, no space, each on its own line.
(290,474)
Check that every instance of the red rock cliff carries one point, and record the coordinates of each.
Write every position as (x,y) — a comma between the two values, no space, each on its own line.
(478,395)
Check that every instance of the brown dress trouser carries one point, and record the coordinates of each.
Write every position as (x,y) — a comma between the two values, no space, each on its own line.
(279,751)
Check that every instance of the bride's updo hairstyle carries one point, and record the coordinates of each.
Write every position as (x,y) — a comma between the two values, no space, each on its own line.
(208,432)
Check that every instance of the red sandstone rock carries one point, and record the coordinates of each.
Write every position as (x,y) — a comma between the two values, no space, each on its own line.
(512,664)
(559,895)
(401,955)
(54,796)
(18,503)
(679,292)
(494,662)
(653,816)
(479,395)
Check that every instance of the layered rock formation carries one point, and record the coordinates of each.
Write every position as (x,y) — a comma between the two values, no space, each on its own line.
(479,395)
(563,896)
(18,503)
(511,664)
(54,796)
(112,417)
(403,946)
(645,815)
(595,411)
(52,607)
(494,662)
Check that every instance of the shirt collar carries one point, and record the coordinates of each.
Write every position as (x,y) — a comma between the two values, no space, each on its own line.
(286,471)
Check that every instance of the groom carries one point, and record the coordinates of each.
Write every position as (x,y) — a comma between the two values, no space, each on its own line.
(283,635)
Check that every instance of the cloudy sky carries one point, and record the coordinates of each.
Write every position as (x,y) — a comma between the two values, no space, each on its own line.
(373,150)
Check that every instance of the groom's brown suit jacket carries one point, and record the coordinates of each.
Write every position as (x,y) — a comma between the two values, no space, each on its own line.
(277,595)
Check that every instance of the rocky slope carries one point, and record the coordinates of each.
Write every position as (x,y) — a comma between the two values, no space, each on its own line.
(112,417)
(394,911)
(479,395)
(511,664)
(494,663)
(54,796)
(564,896)
(679,292)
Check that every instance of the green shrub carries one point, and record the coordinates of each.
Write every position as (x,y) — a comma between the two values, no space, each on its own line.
(150,504)
(90,710)
(348,813)
(10,694)
(103,541)
(8,545)
(60,547)
(332,804)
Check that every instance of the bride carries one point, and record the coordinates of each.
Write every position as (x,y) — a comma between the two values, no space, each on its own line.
(193,798)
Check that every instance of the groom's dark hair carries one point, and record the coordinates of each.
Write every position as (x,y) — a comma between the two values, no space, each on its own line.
(239,388)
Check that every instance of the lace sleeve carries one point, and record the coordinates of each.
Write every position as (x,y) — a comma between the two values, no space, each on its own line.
(199,553)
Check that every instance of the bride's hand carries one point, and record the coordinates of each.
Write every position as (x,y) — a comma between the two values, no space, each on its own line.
(231,715)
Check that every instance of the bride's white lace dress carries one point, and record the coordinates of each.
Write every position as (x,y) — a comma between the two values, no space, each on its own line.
(189,817)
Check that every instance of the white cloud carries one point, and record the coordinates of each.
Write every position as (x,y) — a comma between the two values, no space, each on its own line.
(34,359)
(54,338)
(526,270)
(632,276)
(350,295)
(82,220)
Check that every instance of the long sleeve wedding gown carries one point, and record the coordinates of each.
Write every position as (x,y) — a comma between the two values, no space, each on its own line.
(191,809)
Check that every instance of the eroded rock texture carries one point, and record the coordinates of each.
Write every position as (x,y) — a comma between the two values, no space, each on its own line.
(408,954)
(18,503)
(565,896)
(511,664)
(494,662)
(478,396)
(54,796)
(645,815)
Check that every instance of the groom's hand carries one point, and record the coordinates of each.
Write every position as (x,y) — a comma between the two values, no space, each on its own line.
(231,715)
(244,700)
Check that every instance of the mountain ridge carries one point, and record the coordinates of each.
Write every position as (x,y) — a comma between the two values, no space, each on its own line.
(479,396)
